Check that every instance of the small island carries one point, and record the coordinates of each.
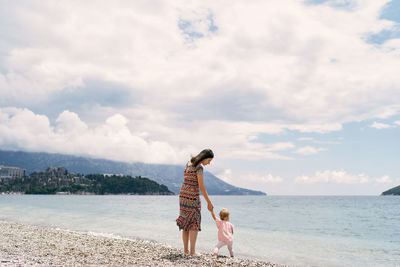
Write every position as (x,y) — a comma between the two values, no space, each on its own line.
(57,180)
(395,191)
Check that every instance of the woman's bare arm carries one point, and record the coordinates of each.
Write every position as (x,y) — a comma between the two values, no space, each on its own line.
(204,192)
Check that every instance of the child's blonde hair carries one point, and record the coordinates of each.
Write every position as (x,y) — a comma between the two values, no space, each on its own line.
(223,214)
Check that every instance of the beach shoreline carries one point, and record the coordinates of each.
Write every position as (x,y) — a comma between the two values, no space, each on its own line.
(22,244)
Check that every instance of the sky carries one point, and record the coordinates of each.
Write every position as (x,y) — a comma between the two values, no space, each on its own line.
(294,97)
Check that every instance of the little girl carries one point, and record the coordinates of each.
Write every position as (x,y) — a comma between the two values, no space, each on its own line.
(225,232)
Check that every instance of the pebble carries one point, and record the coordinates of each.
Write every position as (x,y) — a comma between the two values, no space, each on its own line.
(27,245)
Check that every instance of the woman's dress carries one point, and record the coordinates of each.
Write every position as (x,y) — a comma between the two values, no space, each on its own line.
(189,200)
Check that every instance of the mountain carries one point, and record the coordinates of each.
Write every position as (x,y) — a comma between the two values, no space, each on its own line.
(392,191)
(169,175)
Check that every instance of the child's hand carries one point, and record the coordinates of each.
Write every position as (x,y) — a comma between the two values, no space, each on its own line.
(213,215)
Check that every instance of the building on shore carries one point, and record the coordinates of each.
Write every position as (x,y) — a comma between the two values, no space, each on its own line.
(7,172)
(59,172)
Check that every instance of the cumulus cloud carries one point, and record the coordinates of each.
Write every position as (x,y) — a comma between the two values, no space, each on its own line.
(341,177)
(378,125)
(310,139)
(139,139)
(232,139)
(226,175)
(190,74)
(384,179)
(256,181)
(308,150)
(305,139)
(281,146)
(246,61)
(22,129)
(328,176)
(262,179)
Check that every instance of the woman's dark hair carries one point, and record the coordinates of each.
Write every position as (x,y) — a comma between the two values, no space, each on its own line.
(205,154)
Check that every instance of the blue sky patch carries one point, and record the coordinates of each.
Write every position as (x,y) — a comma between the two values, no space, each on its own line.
(188,27)
(336,4)
(383,36)
(392,11)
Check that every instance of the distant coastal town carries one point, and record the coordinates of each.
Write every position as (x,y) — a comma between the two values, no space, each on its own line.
(57,180)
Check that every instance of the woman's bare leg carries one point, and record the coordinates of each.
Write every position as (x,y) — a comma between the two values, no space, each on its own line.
(185,239)
(193,238)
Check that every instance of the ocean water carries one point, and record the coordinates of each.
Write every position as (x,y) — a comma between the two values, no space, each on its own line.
(294,230)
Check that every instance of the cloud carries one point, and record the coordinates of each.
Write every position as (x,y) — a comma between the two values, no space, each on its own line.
(232,139)
(341,177)
(308,150)
(310,139)
(328,176)
(384,179)
(250,180)
(144,137)
(21,129)
(144,132)
(378,125)
(280,146)
(305,139)
(226,175)
(246,60)
(327,142)
(262,179)
(250,70)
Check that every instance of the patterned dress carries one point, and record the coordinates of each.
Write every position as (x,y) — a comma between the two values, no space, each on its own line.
(189,200)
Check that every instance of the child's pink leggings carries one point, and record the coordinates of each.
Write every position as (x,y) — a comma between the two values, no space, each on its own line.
(221,244)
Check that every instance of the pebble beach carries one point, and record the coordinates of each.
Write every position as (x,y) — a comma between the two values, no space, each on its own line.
(27,245)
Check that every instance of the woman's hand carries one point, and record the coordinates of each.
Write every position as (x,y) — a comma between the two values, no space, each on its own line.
(210,206)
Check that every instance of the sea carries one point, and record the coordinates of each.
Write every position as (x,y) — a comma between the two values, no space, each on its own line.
(292,230)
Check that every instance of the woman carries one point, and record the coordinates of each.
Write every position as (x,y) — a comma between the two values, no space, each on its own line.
(189,200)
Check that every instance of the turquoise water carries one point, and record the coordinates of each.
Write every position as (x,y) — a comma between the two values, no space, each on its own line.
(300,230)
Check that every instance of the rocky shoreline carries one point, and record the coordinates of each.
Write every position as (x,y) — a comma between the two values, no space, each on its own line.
(22,245)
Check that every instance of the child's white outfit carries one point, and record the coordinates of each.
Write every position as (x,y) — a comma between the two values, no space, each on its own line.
(225,235)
